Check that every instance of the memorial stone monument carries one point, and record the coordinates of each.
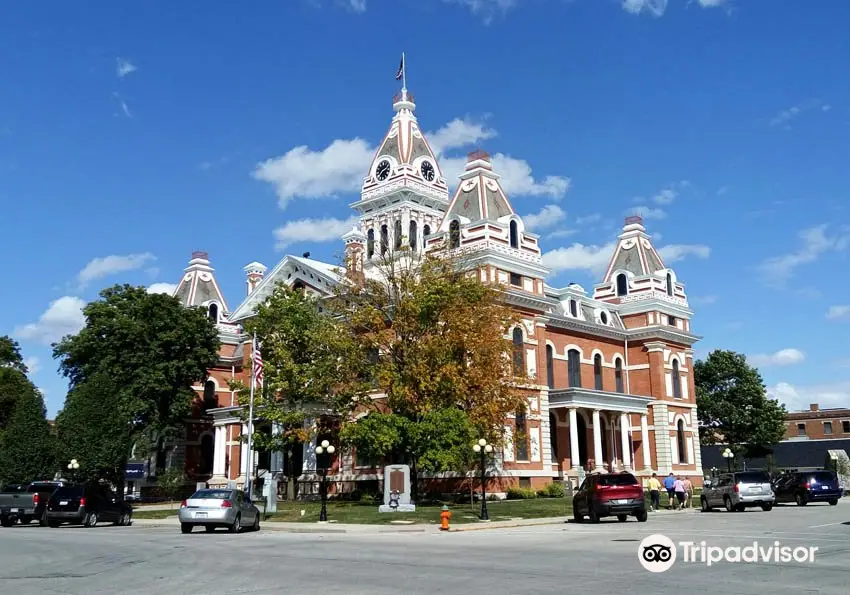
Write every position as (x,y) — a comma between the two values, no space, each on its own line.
(397,490)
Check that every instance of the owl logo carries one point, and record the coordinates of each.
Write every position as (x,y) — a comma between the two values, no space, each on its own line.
(657,553)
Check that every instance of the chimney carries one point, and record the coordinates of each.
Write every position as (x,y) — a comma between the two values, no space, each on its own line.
(306,255)
(254,275)
(355,248)
(814,407)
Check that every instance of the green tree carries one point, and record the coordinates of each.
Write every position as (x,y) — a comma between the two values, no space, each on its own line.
(171,481)
(98,435)
(13,379)
(10,355)
(154,346)
(27,447)
(733,404)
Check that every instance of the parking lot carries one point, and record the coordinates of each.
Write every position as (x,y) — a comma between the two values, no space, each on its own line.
(523,560)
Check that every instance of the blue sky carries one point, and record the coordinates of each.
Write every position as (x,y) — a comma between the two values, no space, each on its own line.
(132,135)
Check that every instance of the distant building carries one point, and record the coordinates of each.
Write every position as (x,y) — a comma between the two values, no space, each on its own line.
(818,424)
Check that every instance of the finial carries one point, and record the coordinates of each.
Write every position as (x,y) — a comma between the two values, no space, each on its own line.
(634,219)
(478,155)
(200,254)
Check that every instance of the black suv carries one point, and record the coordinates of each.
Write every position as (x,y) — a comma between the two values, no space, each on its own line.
(87,505)
(803,487)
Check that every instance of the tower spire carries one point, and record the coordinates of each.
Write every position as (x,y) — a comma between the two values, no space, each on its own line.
(401,75)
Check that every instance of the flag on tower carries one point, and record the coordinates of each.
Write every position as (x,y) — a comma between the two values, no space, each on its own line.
(257,360)
(400,74)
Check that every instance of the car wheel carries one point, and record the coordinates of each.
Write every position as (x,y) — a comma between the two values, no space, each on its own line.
(727,503)
(236,527)
(703,504)
(256,525)
(594,518)
(767,507)
(642,516)
(622,517)
(43,520)
(800,499)
(90,520)
(577,516)
(25,520)
(833,502)
(186,527)
(6,521)
(209,528)
(52,524)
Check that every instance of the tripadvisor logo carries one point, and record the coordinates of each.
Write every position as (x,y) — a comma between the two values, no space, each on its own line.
(658,553)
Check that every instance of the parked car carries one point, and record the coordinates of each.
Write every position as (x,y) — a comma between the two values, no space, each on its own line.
(24,503)
(737,491)
(211,508)
(87,505)
(803,487)
(610,494)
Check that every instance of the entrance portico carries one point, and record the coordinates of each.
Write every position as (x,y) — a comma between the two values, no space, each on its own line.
(596,410)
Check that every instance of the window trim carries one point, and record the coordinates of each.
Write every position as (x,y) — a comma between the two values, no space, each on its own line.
(623,290)
(676,380)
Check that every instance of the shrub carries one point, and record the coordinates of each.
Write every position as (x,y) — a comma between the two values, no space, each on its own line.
(521,494)
(556,490)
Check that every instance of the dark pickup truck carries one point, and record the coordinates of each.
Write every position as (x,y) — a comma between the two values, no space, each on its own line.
(26,503)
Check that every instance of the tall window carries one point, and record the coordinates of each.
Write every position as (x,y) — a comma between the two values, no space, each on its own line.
(677,383)
(669,284)
(680,439)
(210,399)
(618,376)
(385,239)
(514,235)
(827,427)
(370,243)
(426,231)
(454,234)
(519,355)
(213,312)
(622,284)
(574,367)
(411,234)
(573,308)
(597,372)
(801,429)
(550,366)
(521,436)
(397,234)
(553,436)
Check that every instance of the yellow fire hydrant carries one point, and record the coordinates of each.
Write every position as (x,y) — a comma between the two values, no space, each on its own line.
(445,515)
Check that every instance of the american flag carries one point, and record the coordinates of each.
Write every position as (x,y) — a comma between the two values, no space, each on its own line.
(257,360)
(400,74)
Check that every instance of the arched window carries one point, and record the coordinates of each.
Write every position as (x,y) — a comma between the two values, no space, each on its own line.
(553,437)
(669,284)
(298,286)
(426,231)
(574,367)
(680,439)
(210,399)
(550,366)
(514,235)
(518,352)
(397,234)
(618,376)
(454,234)
(370,243)
(622,284)
(385,239)
(411,235)
(676,381)
(597,372)
(213,312)
(521,422)
(573,308)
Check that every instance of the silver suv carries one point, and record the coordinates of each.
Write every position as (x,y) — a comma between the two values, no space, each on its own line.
(737,491)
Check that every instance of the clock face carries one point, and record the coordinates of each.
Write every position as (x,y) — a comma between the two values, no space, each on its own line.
(427,171)
(382,172)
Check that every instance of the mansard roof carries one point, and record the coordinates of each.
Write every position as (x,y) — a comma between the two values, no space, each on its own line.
(634,252)
(198,286)
(479,195)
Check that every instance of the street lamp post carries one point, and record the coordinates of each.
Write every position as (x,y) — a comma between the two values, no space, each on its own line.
(728,455)
(484,449)
(324,447)
(72,467)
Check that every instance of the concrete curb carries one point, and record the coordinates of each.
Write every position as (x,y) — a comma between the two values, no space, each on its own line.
(282,527)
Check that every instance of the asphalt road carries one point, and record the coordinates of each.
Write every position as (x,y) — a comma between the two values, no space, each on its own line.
(560,558)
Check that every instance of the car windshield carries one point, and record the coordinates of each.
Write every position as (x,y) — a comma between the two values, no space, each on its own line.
(624,479)
(823,477)
(211,495)
(753,477)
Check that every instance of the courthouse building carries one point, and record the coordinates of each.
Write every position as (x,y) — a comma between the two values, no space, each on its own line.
(611,364)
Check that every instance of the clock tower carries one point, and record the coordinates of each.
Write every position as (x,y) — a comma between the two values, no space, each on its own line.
(404,195)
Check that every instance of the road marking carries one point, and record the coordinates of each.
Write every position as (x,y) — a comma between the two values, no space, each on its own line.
(826,525)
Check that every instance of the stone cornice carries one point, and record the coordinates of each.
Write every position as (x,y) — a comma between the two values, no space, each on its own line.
(586,398)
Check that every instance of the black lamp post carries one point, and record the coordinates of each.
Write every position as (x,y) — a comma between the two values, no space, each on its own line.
(324,447)
(484,449)
(728,455)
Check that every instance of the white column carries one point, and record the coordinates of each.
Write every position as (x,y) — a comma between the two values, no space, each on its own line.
(310,448)
(597,440)
(220,445)
(243,451)
(575,457)
(624,440)
(644,436)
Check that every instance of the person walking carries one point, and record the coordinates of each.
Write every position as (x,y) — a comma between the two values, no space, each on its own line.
(689,493)
(679,488)
(654,493)
(669,484)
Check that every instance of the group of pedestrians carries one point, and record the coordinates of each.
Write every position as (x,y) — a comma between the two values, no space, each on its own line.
(680,492)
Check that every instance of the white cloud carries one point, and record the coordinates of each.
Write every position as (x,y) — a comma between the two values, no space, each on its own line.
(653,7)
(162,288)
(340,167)
(785,116)
(798,398)
(777,270)
(594,218)
(593,259)
(838,313)
(675,252)
(63,317)
(712,3)
(357,5)
(124,67)
(312,230)
(561,233)
(486,9)
(783,357)
(549,216)
(33,364)
(105,266)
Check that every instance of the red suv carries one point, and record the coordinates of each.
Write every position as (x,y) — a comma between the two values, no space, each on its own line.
(610,494)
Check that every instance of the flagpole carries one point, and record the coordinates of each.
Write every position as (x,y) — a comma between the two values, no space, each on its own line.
(403,73)
(250,444)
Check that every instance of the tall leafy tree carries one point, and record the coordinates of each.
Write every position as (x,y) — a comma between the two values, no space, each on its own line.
(153,346)
(733,404)
(27,446)
(13,379)
(10,355)
(99,436)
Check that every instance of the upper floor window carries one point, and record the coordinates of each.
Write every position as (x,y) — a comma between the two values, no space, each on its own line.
(845,427)
(210,399)
(516,279)
(677,382)
(680,439)
(618,376)
(801,429)
(412,235)
(671,320)
(622,284)
(597,372)
(397,234)
(574,368)
(370,243)
(521,422)
(550,366)
(213,312)
(385,239)
(454,234)
(669,284)
(827,427)
(514,230)
(518,352)
(426,231)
